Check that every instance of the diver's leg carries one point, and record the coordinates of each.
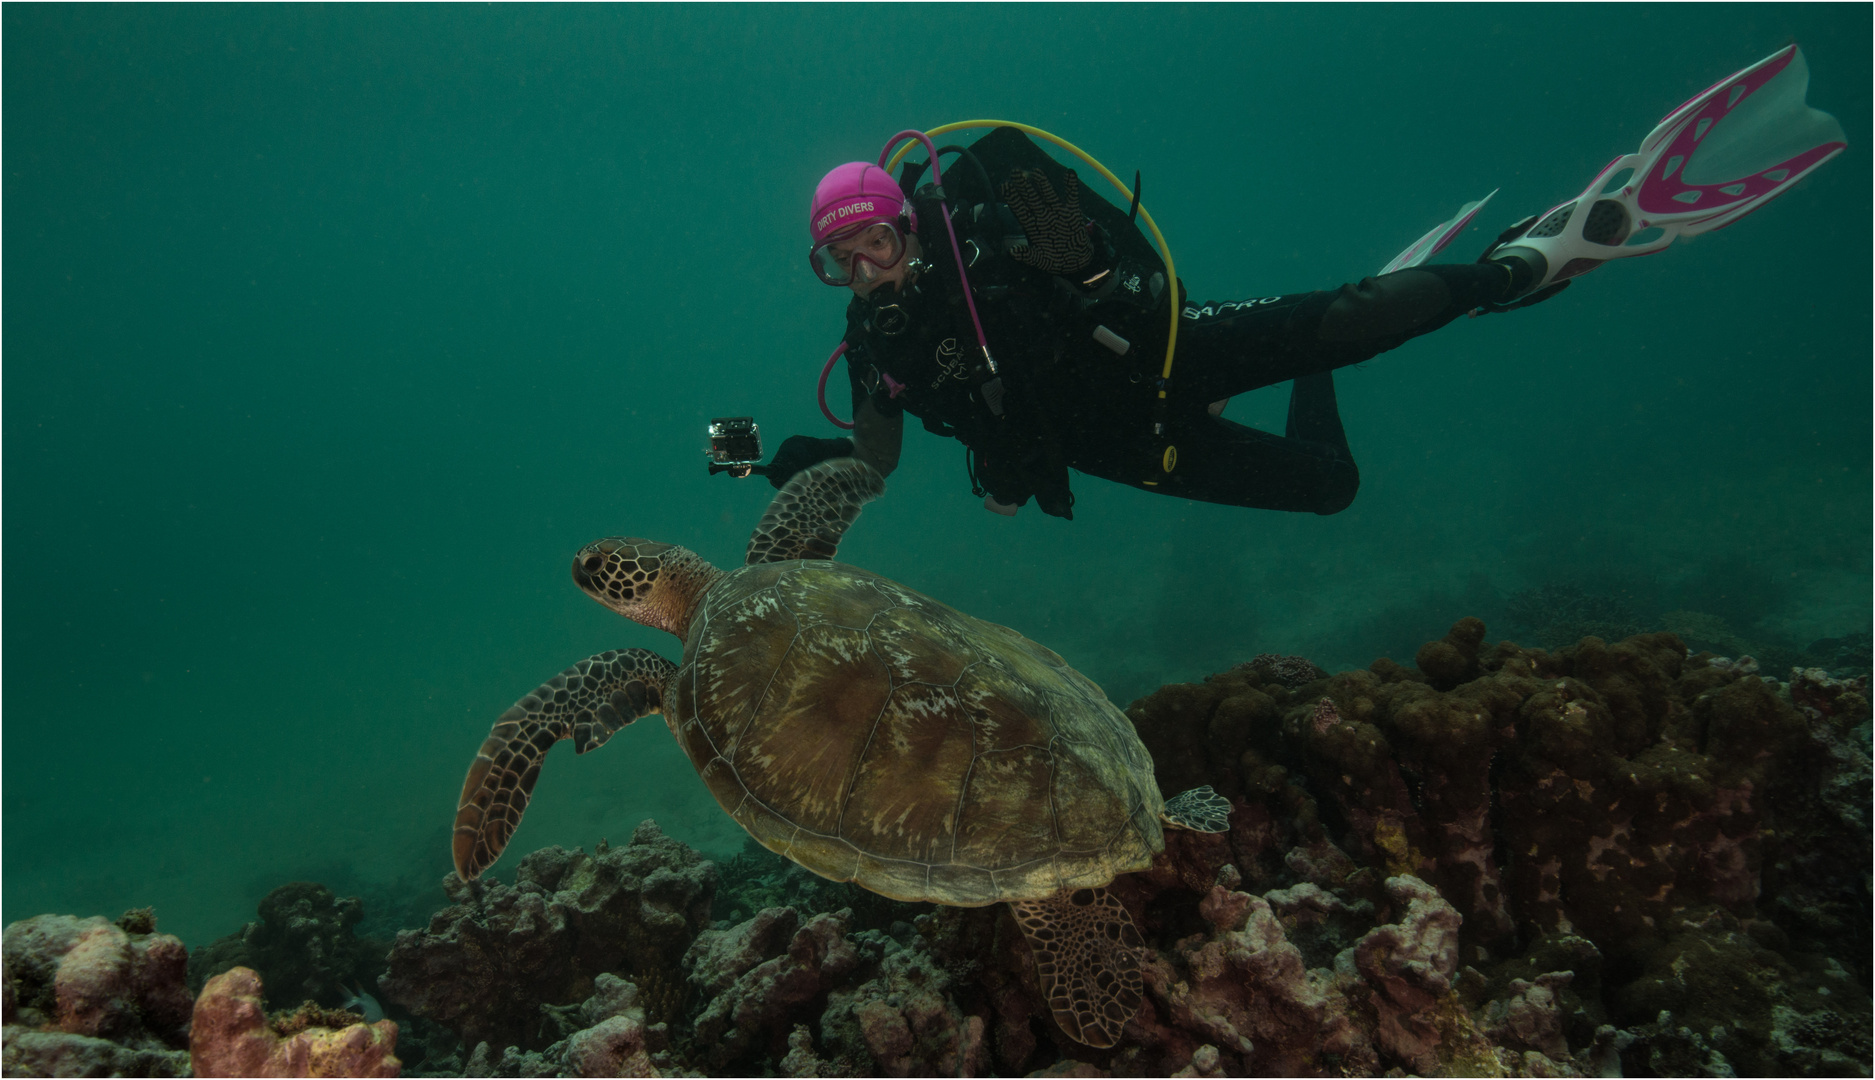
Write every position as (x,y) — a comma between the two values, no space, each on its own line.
(1314,416)
(1220,461)
(1230,348)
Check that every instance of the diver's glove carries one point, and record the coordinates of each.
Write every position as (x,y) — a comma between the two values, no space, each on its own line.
(1522,273)
(803,452)
(1058,241)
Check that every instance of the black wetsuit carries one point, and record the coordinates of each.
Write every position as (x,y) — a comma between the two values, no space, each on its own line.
(1071,402)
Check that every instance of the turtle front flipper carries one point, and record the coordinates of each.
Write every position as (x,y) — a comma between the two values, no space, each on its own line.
(810,515)
(1087,960)
(587,703)
(1201,809)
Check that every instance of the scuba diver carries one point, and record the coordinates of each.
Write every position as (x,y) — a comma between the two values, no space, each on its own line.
(1008,307)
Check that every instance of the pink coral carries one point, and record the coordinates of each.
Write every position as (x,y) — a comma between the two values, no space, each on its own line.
(1531,1017)
(1410,963)
(91,977)
(230,1037)
(1244,989)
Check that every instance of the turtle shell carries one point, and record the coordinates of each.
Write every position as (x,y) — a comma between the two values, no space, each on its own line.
(874,735)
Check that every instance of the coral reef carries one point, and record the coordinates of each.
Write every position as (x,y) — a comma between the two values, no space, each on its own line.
(232,1035)
(89,997)
(1290,671)
(1816,862)
(763,975)
(1602,859)
(1614,808)
(303,947)
(487,965)
(609,1037)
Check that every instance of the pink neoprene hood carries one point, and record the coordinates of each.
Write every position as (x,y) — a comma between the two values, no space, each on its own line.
(853,194)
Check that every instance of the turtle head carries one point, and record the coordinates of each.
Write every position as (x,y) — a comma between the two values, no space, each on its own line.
(645,581)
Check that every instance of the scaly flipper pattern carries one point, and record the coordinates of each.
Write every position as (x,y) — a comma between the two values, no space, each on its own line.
(810,515)
(587,703)
(1201,809)
(1087,960)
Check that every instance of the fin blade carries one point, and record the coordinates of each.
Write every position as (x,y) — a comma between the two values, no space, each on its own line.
(1725,153)
(1436,240)
(1741,143)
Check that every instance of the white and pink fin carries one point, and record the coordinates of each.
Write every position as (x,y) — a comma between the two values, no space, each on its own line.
(1435,241)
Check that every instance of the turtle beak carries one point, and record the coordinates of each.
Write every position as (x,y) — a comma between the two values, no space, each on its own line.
(588,562)
(589,567)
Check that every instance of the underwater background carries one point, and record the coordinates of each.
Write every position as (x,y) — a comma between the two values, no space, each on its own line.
(331,333)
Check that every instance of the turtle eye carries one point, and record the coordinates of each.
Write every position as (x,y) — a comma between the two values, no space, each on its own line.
(592,563)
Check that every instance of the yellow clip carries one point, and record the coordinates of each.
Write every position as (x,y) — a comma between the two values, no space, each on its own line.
(1170,461)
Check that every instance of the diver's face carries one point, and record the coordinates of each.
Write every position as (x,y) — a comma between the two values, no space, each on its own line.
(867,275)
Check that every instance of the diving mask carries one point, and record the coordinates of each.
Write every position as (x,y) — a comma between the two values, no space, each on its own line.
(858,254)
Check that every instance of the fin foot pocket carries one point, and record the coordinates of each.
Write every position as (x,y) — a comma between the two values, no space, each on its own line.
(1607,223)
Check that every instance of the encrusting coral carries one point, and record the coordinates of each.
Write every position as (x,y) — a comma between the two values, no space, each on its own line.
(1614,802)
(487,964)
(232,1035)
(89,997)
(304,947)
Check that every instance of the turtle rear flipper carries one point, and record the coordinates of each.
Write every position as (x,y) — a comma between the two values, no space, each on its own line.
(1087,960)
(587,703)
(1201,810)
(809,516)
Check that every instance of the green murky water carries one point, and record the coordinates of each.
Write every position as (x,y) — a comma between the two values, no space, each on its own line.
(331,333)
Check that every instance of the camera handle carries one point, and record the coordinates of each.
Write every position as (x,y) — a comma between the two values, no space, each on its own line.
(739,471)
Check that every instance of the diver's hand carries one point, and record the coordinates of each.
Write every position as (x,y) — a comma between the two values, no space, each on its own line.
(803,452)
(1058,241)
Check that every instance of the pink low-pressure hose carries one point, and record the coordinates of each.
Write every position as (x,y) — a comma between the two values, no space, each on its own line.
(822,391)
(956,248)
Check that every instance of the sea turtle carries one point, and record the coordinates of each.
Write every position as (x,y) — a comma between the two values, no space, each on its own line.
(870,734)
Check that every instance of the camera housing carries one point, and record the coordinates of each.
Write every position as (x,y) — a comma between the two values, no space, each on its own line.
(735,445)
